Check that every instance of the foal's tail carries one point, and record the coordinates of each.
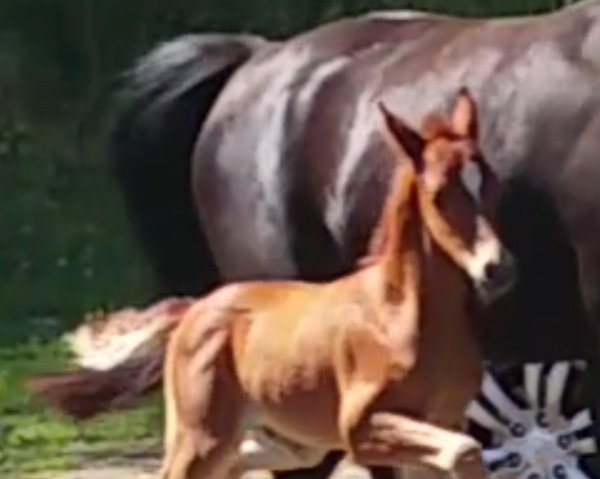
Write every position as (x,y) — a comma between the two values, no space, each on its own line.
(122,356)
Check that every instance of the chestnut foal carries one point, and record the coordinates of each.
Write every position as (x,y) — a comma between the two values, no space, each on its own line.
(381,363)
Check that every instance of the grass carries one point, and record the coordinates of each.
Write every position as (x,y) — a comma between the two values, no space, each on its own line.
(65,248)
(33,439)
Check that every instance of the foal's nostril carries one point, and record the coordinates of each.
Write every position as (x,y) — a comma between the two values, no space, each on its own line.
(498,277)
(502,272)
(493,273)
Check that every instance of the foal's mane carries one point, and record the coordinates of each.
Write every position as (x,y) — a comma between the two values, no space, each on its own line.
(396,212)
(396,209)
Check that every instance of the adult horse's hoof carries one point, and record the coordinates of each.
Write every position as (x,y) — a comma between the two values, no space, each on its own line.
(539,426)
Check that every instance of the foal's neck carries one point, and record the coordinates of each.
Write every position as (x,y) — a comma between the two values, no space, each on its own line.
(399,241)
(410,263)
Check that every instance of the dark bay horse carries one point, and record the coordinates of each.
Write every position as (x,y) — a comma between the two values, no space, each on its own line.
(278,140)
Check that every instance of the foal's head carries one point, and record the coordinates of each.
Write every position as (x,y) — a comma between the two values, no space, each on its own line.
(457,192)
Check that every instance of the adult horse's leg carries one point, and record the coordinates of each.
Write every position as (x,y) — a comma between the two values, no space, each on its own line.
(546,296)
(164,104)
(582,212)
(588,257)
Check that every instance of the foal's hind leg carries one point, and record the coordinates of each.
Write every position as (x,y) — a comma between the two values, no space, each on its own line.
(189,461)
(393,440)
(204,405)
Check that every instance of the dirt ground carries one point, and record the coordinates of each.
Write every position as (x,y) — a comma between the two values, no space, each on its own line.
(146,468)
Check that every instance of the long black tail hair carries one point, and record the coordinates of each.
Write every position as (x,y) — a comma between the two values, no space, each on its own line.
(163,103)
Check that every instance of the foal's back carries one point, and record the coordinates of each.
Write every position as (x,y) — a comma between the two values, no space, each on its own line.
(282,339)
(286,340)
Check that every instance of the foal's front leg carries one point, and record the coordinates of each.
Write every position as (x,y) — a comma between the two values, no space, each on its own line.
(393,440)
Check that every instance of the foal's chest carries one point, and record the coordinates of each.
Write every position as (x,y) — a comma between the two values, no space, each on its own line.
(441,383)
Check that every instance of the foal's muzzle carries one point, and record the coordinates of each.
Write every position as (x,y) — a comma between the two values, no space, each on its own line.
(498,277)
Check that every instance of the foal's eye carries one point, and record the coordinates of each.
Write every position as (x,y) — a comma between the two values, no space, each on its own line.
(471,178)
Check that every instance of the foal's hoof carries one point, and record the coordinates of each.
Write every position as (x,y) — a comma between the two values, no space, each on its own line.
(258,475)
(348,469)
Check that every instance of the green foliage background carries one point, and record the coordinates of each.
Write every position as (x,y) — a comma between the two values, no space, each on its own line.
(65,246)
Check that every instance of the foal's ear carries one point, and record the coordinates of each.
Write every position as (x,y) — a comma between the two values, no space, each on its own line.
(464,115)
(403,140)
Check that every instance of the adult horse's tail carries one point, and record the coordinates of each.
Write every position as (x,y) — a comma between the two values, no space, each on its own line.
(122,355)
(165,100)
